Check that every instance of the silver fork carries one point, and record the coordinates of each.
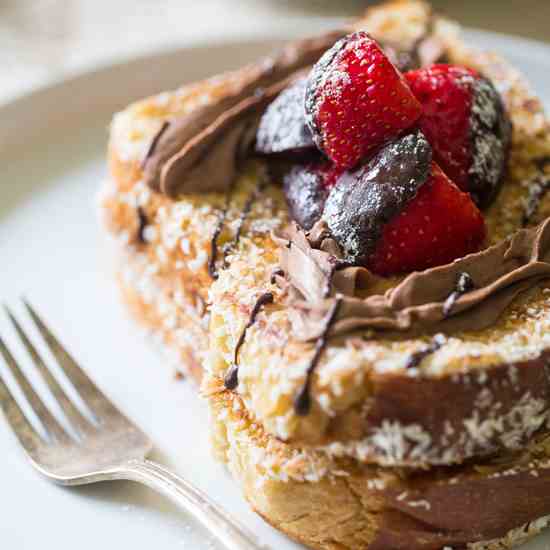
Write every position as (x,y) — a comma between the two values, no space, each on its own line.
(110,448)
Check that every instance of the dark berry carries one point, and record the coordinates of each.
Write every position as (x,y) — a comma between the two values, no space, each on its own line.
(362,202)
(283,126)
(491,139)
(306,187)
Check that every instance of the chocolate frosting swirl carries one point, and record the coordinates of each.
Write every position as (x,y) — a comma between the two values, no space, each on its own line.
(417,304)
(175,142)
(225,142)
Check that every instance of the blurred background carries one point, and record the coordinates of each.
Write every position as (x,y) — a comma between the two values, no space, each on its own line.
(41,40)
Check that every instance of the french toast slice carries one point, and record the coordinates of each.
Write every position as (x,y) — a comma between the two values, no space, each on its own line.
(331,503)
(480,399)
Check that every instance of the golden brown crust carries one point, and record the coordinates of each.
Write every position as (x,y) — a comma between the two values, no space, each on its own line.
(184,358)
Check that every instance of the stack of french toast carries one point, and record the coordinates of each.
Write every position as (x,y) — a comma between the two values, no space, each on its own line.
(347,245)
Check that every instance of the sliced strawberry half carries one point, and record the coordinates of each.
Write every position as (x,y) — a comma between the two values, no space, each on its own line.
(399,212)
(440,224)
(357,100)
(467,125)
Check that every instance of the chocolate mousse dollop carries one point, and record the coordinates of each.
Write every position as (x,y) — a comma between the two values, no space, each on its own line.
(417,304)
(251,80)
(210,161)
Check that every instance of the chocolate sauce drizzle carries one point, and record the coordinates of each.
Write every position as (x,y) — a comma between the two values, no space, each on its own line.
(212,269)
(252,198)
(302,402)
(229,247)
(417,357)
(142,224)
(154,143)
(538,188)
(231,380)
(542,162)
(464,283)
(276,273)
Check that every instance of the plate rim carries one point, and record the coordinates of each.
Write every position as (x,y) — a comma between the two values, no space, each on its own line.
(103,68)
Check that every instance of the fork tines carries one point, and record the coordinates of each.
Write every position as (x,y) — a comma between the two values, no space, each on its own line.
(91,396)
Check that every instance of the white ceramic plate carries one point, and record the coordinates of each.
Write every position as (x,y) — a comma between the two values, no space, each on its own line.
(52,146)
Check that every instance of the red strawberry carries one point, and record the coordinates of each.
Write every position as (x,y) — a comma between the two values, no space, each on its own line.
(399,212)
(439,225)
(356,100)
(465,121)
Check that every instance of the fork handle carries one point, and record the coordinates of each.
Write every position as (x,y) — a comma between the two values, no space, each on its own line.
(219,523)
